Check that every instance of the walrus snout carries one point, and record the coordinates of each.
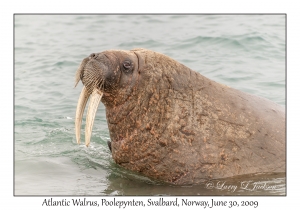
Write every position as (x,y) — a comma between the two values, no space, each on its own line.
(92,74)
(100,73)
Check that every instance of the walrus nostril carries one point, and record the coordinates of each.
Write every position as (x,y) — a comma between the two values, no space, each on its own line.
(93,55)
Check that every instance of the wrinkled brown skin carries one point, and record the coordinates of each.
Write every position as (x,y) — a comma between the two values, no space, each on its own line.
(170,123)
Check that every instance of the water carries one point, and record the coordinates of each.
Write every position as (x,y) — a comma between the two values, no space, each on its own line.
(246,52)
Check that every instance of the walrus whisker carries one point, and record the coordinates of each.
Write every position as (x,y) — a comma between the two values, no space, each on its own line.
(79,72)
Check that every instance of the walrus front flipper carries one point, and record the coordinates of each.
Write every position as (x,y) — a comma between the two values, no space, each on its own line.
(109,145)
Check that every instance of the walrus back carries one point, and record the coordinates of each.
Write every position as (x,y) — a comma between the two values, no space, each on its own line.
(184,128)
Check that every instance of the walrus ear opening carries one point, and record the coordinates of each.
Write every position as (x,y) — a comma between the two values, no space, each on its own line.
(140,61)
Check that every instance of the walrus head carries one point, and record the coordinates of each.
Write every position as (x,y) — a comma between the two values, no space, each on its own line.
(108,77)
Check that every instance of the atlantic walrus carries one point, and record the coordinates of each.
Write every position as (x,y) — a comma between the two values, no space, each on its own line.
(170,123)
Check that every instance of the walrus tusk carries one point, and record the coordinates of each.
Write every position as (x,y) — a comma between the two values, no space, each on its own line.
(93,106)
(83,98)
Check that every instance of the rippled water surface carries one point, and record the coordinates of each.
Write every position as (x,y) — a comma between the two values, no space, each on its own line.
(246,52)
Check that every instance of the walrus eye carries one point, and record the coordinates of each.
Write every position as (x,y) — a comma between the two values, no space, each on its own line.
(128,66)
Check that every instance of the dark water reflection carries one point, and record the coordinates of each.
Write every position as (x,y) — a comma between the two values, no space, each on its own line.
(254,184)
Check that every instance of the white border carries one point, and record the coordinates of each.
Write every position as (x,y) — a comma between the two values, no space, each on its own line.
(8,9)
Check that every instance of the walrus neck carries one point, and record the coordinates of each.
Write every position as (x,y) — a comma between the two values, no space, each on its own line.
(117,108)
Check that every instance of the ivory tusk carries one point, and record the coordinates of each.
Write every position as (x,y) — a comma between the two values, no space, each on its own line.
(93,106)
(83,98)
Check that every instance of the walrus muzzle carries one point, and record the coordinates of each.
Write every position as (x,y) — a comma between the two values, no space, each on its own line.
(93,83)
(95,98)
